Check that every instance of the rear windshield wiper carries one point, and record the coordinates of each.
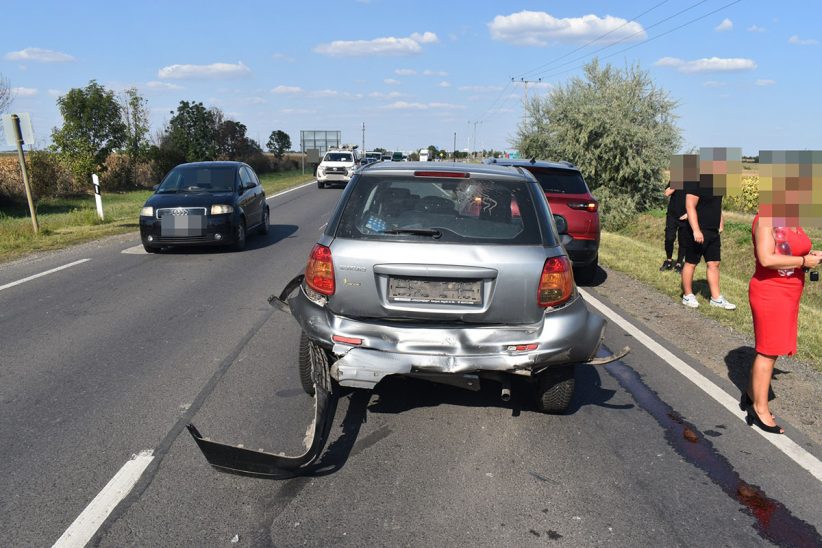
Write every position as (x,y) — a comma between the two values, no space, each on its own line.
(433,232)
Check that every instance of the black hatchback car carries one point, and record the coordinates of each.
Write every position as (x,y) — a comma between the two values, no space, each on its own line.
(204,203)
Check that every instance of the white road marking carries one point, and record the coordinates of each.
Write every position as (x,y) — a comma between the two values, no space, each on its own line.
(136,250)
(35,276)
(90,519)
(782,442)
(292,189)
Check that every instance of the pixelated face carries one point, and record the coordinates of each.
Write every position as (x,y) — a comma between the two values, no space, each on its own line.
(684,170)
(790,187)
(720,170)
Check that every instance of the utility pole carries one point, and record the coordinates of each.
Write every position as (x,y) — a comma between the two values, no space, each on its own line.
(525,83)
(363,138)
(19,138)
(455,146)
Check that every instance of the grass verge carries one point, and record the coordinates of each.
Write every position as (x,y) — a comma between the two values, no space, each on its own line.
(68,221)
(638,251)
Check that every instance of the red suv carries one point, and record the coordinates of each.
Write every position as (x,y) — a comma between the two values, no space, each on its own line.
(569,196)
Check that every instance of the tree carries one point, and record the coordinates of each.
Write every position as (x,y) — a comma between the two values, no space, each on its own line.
(6,96)
(192,132)
(232,142)
(92,128)
(135,117)
(278,143)
(616,126)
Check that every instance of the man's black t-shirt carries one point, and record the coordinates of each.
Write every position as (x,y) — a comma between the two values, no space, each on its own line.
(676,204)
(708,209)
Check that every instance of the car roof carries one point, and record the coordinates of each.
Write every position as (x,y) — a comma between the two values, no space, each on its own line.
(532,163)
(223,163)
(407,168)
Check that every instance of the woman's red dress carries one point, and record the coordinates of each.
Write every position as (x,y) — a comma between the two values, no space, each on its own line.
(775,299)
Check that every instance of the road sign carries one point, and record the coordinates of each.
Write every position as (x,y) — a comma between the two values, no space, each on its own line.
(25,128)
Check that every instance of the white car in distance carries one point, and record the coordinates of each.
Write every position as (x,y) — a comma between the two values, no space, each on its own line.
(336,167)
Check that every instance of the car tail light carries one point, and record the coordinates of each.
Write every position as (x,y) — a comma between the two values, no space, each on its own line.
(556,283)
(522,347)
(354,341)
(591,206)
(446,174)
(319,272)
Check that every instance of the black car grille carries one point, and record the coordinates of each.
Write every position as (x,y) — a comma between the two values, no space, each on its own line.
(180,211)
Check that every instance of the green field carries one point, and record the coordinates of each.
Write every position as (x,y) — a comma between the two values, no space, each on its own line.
(638,252)
(67,221)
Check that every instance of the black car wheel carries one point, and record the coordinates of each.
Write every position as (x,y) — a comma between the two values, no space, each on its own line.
(555,389)
(587,273)
(320,185)
(150,249)
(310,355)
(239,237)
(266,219)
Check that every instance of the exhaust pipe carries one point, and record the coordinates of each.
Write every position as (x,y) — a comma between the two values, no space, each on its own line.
(505,393)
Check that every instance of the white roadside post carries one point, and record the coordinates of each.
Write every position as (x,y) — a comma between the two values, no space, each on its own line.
(97,198)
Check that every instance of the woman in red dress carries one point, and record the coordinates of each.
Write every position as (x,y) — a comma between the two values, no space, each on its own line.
(774,293)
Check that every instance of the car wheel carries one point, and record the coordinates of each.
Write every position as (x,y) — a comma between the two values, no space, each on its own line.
(150,249)
(586,274)
(320,185)
(311,355)
(266,219)
(239,237)
(555,389)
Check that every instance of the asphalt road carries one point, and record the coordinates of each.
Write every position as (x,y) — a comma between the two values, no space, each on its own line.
(114,355)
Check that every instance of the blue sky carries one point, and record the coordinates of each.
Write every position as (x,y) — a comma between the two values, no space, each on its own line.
(416,72)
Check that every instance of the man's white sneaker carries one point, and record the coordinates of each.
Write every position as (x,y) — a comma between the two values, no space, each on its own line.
(722,302)
(690,301)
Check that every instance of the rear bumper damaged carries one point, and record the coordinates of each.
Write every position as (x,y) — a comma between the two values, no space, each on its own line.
(567,335)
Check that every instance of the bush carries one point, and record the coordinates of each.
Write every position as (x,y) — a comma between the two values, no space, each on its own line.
(746,201)
(48,177)
(616,209)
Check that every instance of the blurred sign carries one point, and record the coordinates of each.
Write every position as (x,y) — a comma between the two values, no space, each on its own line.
(25,128)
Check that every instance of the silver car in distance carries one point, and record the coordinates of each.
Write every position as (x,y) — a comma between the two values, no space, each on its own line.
(450,273)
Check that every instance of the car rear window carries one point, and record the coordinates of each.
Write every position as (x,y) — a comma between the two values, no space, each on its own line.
(559,181)
(474,210)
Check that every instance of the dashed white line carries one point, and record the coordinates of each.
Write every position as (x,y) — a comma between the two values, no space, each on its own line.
(41,274)
(782,442)
(88,522)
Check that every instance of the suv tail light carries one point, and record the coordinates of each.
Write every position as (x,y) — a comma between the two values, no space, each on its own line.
(591,206)
(556,283)
(319,272)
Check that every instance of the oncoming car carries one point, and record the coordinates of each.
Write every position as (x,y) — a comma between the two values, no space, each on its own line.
(337,167)
(453,274)
(204,203)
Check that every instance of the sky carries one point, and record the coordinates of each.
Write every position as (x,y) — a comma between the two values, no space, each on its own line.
(745,73)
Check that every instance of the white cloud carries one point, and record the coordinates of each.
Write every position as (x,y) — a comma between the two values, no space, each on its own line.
(428,72)
(797,41)
(287,89)
(538,28)
(40,55)
(404,105)
(480,89)
(154,84)
(325,93)
(713,84)
(444,84)
(23,92)
(534,85)
(297,111)
(282,57)
(391,81)
(56,92)
(214,70)
(755,28)
(712,64)
(389,45)
(389,95)
(405,72)
(765,82)
(726,24)
(254,101)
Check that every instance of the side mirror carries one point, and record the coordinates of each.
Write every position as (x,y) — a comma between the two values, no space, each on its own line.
(155,187)
(562,224)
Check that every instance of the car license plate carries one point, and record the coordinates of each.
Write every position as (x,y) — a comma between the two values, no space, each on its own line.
(433,291)
(181,226)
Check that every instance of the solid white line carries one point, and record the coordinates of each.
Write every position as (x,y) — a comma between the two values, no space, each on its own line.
(35,276)
(782,442)
(291,189)
(90,519)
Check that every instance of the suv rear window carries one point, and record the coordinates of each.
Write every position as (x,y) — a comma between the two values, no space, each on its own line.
(472,210)
(559,181)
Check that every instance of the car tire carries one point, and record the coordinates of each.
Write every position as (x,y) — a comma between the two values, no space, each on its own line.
(150,249)
(320,185)
(240,236)
(310,355)
(555,389)
(587,273)
(266,220)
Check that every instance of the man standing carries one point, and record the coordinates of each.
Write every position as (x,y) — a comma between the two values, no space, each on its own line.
(674,227)
(703,205)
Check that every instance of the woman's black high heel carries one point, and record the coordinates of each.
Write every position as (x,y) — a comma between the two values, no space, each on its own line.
(753,418)
(745,402)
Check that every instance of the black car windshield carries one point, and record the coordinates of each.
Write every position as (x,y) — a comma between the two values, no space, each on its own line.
(199,179)
(338,157)
(475,210)
(559,181)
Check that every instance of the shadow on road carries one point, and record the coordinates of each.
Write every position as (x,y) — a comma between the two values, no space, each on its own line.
(276,233)
(738,361)
(598,279)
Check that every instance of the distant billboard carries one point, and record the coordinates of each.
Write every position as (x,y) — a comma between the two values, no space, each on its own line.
(320,140)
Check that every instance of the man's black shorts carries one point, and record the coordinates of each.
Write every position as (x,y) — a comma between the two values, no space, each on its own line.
(710,248)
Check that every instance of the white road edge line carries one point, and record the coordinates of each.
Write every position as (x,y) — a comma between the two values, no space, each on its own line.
(292,189)
(35,276)
(782,442)
(88,522)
